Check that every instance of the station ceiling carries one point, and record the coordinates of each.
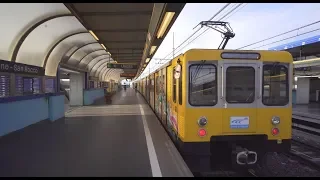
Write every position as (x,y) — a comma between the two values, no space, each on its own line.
(130,32)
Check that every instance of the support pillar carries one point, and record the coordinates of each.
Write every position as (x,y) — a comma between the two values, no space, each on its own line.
(76,89)
(303,91)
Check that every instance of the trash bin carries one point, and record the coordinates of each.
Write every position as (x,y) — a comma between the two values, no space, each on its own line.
(108,98)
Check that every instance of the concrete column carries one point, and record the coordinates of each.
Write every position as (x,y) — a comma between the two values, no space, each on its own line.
(76,89)
(58,79)
(302,96)
(86,80)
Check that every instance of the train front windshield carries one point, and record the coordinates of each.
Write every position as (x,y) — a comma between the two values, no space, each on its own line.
(202,85)
(275,85)
(240,84)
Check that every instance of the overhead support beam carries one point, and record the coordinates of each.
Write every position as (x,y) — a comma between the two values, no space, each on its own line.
(104,59)
(116,49)
(57,43)
(128,55)
(80,47)
(135,53)
(163,17)
(29,30)
(307,63)
(104,70)
(103,64)
(124,41)
(126,13)
(91,54)
(66,66)
(109,73)
(127,60)
(119,30)
(106,74)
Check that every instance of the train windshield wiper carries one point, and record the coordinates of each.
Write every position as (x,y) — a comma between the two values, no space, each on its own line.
(274,68)
(197,71)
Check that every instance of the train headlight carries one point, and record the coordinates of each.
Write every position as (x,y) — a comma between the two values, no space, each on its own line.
(202,121)
(275,120)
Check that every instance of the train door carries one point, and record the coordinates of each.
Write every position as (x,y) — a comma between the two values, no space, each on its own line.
(148,89)
(163,93)
(180,76)
(240,83)
(156,94)
(152,85)
(172,117)
(144,87)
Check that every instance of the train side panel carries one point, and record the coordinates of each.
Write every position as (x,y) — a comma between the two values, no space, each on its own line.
(156,94)
(163,95)
(152,89)
(181,98)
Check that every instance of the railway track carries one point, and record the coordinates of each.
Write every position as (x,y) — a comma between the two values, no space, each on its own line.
(306,123)
(222,173)
(307,154)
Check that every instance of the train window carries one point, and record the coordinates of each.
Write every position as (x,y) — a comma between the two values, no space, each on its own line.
(174,86)
(202,85)
(240,84)
(275,85)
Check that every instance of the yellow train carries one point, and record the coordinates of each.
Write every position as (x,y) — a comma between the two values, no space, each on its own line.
(224,108)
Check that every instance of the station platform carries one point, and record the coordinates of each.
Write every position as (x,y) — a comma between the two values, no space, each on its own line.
(311,110)
(123,138)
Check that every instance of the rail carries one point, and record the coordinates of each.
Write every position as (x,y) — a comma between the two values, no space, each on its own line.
(306,122)
(307,153)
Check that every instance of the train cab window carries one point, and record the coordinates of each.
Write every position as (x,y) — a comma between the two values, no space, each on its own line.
(240,84)
(275,85)
(202,85)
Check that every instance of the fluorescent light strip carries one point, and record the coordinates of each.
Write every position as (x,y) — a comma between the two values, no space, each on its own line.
(165,22)
(91,32)
(153,48)
(103,46)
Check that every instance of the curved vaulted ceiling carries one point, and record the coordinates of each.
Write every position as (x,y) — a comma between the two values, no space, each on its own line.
(49,34)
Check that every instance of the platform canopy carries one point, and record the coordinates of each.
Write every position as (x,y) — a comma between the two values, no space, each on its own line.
(85,36)
(130,32)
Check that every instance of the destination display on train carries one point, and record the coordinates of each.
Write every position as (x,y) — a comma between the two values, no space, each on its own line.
(127,75)
(13,67)
(122,66)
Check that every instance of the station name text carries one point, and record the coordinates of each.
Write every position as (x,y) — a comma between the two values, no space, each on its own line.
(19,68)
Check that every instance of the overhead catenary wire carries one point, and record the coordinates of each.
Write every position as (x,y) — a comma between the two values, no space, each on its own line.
(288,38)
(209,28)
(236,11)
(223,8)
(304,26)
